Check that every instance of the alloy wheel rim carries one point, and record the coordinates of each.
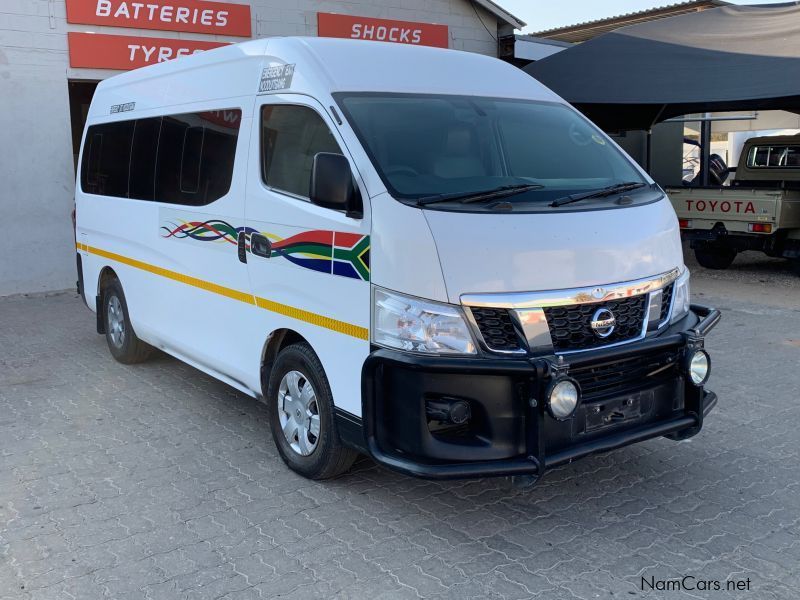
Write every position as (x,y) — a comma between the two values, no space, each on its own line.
(298,412)
(116,322)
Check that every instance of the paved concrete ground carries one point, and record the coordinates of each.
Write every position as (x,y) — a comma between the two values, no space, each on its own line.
(156,481)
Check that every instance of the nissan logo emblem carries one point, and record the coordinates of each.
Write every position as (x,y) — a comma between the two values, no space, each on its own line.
(603,323)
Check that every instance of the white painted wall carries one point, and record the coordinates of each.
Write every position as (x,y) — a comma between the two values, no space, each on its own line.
(36,173)
(36,169)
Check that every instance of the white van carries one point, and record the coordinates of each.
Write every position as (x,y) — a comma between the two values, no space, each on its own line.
(419,254)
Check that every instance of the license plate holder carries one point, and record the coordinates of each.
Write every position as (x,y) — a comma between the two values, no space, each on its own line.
(616,411)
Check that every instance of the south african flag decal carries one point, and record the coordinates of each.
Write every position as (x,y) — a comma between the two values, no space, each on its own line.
(345,254)
(351,255)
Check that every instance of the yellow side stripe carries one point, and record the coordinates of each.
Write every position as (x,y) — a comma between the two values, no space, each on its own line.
(361,333)
(303,315)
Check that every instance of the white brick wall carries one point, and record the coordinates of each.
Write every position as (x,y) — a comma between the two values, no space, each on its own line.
(36,165)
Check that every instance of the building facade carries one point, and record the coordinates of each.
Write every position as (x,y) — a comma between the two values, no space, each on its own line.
(53,53)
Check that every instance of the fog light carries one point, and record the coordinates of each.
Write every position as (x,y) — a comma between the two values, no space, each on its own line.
(449,410)
(698,367)
(562,398)
(460,412)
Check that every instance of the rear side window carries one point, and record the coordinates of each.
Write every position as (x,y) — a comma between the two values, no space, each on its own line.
(180,159)
(290,138)
(105,159)
(761,157)
(143,159)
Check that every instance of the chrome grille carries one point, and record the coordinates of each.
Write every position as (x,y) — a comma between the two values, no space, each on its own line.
(570,327)
(666,300)
(561,320)
(497,329)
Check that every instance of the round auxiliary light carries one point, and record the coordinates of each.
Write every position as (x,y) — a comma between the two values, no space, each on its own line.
(460,412)
(562,398)
(698,367)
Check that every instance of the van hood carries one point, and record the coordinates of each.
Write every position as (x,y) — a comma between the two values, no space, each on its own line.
(487,252)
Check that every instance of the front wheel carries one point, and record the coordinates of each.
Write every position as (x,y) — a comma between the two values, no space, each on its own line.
(719,257)
(794,264)
(301,415)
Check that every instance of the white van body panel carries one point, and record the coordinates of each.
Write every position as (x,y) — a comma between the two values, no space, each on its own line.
(404,255)
(484,253)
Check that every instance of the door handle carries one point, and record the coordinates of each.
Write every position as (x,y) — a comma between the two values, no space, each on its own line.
(241,247)
(260,245)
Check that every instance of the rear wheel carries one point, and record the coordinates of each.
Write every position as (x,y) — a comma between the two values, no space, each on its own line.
(122,341)
(794,264)
(715,257)
(301,415)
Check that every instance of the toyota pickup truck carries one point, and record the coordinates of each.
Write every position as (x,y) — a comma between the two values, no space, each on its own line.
(760,210)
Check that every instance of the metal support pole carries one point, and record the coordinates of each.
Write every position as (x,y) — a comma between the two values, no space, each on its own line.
(649,140)
(705,152)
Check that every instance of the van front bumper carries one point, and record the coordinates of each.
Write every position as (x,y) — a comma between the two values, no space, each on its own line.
(630,393)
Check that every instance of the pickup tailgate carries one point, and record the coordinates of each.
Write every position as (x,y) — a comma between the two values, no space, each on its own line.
(725,204)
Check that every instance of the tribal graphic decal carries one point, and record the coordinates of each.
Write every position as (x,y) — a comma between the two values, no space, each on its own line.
(333,252)
(206,231)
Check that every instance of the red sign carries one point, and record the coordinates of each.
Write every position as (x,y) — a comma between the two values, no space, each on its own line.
(382,30)
(197,16)
(98,51)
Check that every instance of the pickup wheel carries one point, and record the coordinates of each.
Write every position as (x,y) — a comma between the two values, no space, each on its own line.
(794,265)
(301,416)
(715,257)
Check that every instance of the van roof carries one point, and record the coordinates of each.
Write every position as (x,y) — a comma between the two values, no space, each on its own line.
(322,65)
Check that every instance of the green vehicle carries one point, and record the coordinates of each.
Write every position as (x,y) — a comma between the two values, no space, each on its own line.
(759,210)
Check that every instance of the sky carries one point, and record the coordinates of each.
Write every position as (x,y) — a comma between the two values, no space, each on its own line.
(547,14)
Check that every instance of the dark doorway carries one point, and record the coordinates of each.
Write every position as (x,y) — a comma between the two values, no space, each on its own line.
(80,97)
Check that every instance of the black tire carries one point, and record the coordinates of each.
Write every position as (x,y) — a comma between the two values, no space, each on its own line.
(327,456)
(794,265)
(126,348)
(715,257)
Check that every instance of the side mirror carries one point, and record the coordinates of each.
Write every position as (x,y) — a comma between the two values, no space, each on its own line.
(332,184)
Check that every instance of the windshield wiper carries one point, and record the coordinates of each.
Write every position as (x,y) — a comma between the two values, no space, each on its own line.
(468,197)
(617,188)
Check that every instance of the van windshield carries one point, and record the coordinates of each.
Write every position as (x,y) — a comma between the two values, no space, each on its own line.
(428,145)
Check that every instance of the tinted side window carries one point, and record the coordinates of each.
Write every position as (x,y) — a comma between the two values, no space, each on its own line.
(183,159)
(143,158)
(195,157)
(774,156)
(106,155)
(291,137)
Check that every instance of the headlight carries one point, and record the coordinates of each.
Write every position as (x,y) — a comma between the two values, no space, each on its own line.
(681,297)
(417,325)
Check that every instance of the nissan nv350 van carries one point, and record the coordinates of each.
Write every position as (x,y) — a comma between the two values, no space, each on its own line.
(418,254)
